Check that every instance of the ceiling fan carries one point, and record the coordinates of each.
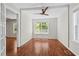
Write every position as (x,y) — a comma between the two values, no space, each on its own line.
(44,11)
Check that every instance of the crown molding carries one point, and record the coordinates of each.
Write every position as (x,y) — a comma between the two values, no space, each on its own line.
(37,8)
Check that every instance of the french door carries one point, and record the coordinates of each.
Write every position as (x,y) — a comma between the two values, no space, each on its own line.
(2,29)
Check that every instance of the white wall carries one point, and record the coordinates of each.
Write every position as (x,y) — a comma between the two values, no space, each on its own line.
(52,31)
(74,45)
(10,15)
(63,27)
(26,27)
(9,28)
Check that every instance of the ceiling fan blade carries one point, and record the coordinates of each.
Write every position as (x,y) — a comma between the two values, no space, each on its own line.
(44,14)
(45,9)
(42,10)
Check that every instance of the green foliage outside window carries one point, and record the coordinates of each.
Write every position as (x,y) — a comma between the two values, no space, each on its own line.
(41,27)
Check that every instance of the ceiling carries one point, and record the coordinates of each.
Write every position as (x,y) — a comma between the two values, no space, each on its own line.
(51,12)
(31,5)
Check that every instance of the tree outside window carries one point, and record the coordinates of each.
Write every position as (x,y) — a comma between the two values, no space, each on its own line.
(41,27)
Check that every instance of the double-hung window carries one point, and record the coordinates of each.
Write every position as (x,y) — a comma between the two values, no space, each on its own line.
(76,25)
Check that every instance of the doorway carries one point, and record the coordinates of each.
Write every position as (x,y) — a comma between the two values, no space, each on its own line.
(11,31)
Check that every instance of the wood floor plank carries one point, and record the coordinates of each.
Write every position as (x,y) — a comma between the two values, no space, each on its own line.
(43,47)
(11,49)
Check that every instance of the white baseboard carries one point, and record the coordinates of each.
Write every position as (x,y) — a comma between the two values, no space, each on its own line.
(69,49)
(72,51)
(25,42)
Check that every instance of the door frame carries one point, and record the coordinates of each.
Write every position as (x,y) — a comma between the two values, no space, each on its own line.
(17,20)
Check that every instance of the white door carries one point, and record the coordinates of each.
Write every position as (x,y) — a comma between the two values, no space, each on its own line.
(2,30)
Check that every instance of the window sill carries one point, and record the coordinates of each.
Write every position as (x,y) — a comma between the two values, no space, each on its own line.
(77,41)
(42,33)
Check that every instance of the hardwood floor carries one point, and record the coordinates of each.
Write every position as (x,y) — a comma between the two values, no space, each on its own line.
(43,47)
(11,49)
(37,47)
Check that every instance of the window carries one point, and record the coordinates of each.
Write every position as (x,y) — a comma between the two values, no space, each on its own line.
(76,25)
(41,27)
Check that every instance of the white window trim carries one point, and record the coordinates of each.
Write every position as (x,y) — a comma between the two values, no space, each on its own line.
(74,14)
